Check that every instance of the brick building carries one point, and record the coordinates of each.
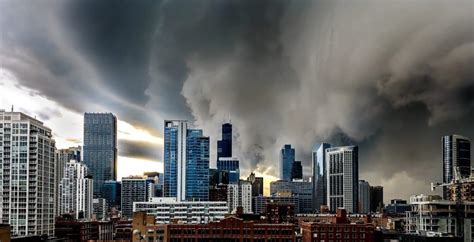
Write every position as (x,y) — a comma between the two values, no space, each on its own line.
(339,229)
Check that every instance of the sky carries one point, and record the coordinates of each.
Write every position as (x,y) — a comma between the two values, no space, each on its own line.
(389,76)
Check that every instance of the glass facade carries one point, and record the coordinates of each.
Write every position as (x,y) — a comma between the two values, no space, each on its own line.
(224,146)
(172,150)
(287,157)
(456,158)
(319,175)
(112,192)
(231,166)
(100,148)
(197,166)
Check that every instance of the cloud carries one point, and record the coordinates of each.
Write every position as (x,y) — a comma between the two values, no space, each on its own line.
(139,150)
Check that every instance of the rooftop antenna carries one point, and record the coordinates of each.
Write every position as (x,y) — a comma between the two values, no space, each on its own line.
(12,108)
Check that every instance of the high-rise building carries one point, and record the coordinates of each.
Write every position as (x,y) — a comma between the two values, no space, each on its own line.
(257,184)
(135,189)
(112,193)
(231,166)
(63,156)
(175,158)
(27,175)
(186,162)
(319,175)
(364,197)
(342,178)
(224,146)
(240,195)
(100,148)
(197,166)
(76,191)
(301,189)
(376,199)
(100,208)
(296,170)
(456,159)
(287,157)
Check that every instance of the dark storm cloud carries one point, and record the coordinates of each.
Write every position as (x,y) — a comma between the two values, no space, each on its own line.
(392,77)
(139,149)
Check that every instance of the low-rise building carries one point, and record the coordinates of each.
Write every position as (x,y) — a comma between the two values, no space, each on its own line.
(260,202)
(339,229)
(168,209)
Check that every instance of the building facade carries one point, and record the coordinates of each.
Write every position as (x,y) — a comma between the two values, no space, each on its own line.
(27,175)
(230,165)
(76,191)
(301,189)
(168,210)
(376,199)
(112,193)
(100,148)
(456,158)
(343,178)
(257,184)
(240,195)
(287,157)
(260,203)
(319,175)
(134,189)
(63,156)
(197,166)
(297,170)
(364,196)
(224,146)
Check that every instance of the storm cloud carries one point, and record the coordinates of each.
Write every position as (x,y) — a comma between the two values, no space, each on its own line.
(391,77)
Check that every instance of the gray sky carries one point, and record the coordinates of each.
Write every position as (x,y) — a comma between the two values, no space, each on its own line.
(389,76)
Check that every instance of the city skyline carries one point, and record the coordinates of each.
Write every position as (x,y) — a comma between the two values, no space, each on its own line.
(389,92)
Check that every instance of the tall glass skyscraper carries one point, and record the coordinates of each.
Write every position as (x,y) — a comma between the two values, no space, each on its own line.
(319,175)
(456,158)
(186,162)
(224,146)
(100,148)
(197,166)
(287,157)
(231,166)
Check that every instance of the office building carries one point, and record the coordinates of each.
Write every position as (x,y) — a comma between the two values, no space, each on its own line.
(257,184)
(169,210)
(364,197)
(339,229)
(112,193)
(135,189)
(432,215)
(185,151)
(100,148)
(63,156)
(319,175)
(100,208)
(197,166)
(27,175)
(240,195)
(376,199)
(229,165)
(260,203)
(69,229)
(224,146)
(287,157)
(297,170)
(278,213)
(456,158)
(76,191)
(397,207)
(343,178)
(301,189)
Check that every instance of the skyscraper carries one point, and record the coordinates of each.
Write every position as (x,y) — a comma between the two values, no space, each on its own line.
(319,175)
(376,198)
(135,189)
(112,193)
(343,178)
(175,158)
(76,191)
(63,156)
(197,166)
(239,195)
(364,197)
(224,146)
(456,158)
(257,184)
(287,157)
(296,170)
(100,148)
(186,162)
(27,177)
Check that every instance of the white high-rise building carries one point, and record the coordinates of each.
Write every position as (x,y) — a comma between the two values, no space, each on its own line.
(175,159)
(27,175)
(240,195)
(342,178)
(63,156)
(76,191)
(364,196)
(135,189)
